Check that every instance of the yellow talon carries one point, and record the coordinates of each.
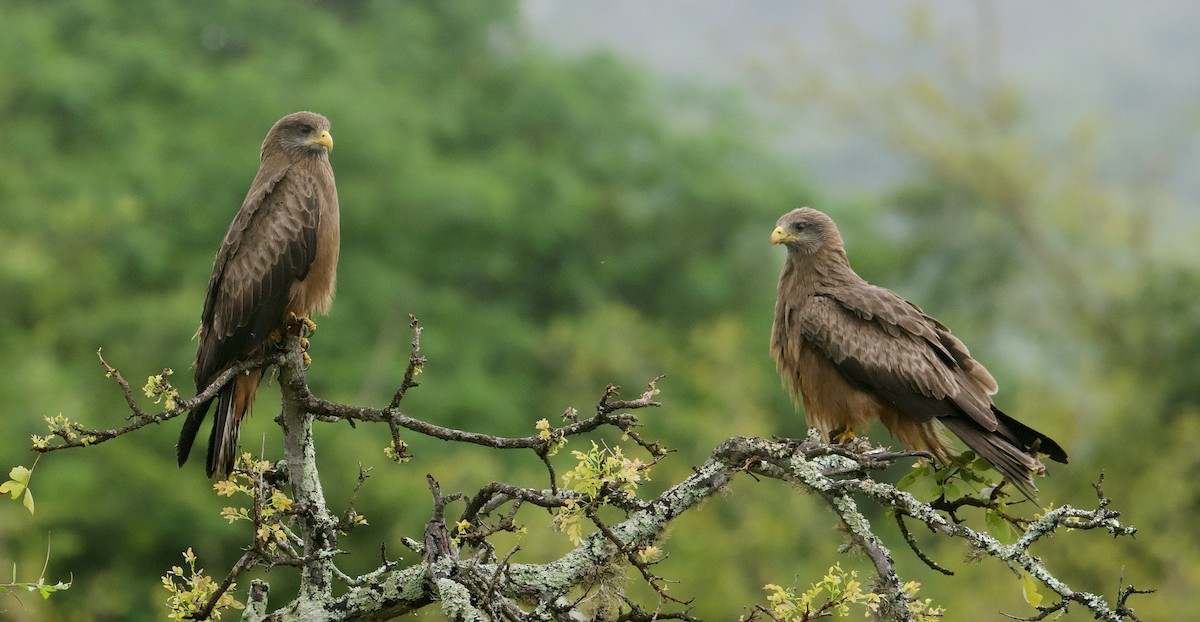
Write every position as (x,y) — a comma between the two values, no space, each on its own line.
(304,344)
(301,325)
(307,359)
(845,436)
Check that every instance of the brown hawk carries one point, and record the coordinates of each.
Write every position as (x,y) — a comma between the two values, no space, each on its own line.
(278,262)
(854,352)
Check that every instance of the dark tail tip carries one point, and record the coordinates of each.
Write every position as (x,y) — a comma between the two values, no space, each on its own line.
(187,435)
(1030,439)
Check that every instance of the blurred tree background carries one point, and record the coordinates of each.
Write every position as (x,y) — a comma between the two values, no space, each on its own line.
(557,222)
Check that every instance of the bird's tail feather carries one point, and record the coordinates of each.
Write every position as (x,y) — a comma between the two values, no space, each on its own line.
(233,402)
(219,450)
(1027,437)
(1015,465)
(187,435)
(1011,449)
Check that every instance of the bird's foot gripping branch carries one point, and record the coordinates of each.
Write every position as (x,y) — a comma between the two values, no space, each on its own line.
(602,510)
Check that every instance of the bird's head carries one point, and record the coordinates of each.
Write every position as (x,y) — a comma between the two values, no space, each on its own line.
(805,231)
(300,133)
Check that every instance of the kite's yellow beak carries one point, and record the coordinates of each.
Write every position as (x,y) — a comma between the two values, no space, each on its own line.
(324,139)
(778,236)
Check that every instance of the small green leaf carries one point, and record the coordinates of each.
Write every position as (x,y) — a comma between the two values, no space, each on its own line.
(1001,529)
(908,480)
(921,482)
(20,475)
(919,470)
(19,485)
(1029,590)
(13,488)
(45,589)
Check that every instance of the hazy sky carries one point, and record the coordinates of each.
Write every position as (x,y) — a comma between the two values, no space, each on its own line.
(1128,68)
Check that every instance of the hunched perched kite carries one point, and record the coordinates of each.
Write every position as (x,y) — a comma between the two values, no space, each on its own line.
(854,352)
(275,267)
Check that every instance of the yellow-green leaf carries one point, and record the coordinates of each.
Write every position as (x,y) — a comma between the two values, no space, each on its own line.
(13,488)
(1029,590)
(1001,529)
(20,475)
(19,485)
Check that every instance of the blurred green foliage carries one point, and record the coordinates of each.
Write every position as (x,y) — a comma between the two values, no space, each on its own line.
(557,225)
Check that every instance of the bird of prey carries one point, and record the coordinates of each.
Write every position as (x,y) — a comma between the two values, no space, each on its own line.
(854,352)
(276,266)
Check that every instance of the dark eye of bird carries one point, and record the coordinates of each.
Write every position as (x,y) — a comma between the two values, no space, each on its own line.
(799,226)
(307,129)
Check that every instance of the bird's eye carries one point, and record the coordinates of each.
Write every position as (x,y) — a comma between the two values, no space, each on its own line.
(798,226)
(306,128)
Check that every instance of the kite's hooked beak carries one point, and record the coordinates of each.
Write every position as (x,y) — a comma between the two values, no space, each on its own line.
(778,236)
(324,139)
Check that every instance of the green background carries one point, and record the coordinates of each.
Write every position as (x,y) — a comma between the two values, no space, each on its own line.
(557,222)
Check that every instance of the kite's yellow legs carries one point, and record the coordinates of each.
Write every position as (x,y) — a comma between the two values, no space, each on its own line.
(301,325)
(844,436)
(304,327)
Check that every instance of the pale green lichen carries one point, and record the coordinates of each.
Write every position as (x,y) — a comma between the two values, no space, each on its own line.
(456,601)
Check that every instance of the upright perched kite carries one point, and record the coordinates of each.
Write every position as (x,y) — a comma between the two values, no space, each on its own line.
(276,266)
(854,352)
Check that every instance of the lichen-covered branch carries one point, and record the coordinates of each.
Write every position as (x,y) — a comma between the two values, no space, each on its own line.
(66,434)
(461,572)
(808,463)
(318,527)
(1015,555)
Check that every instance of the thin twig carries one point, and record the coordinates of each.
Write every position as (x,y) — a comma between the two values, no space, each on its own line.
(80,436)
(247,559)
(415,361)
(912,544)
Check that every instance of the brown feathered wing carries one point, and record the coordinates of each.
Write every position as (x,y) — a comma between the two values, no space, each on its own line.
(270,246)
(886,346)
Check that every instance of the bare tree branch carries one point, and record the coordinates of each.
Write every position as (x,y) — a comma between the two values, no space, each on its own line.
(75,435)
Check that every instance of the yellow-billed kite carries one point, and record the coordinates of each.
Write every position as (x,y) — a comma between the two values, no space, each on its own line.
(854,352)
(278,262)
